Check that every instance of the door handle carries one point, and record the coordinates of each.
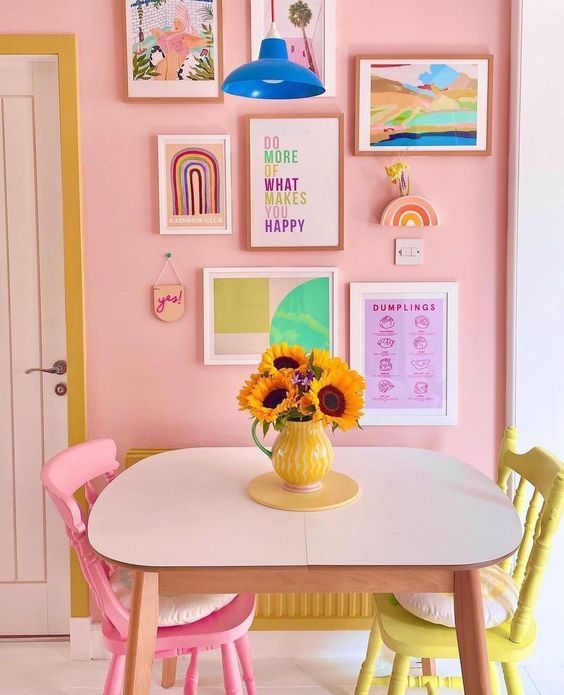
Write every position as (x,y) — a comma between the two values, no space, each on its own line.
(59,367)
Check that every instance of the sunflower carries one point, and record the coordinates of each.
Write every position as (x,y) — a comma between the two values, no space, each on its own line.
(308,403)
(282,356)
(246,391)
(270,396)
(323,360)
(340,399)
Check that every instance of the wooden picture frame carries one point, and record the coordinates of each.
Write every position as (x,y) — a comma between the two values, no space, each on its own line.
(247,309)
(321,224)
(321,35)
(141,83)
(435,133)
(195,184)
(403,339)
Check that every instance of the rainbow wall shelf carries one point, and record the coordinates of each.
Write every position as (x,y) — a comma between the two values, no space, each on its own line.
(409,211)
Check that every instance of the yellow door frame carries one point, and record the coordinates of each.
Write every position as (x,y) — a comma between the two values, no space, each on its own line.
(64,46)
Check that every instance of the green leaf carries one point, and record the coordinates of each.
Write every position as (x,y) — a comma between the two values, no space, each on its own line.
(265,427)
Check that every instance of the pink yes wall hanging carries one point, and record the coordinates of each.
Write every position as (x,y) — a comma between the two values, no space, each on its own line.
(168,300)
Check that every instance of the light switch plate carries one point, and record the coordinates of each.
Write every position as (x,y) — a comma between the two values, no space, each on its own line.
(409,251)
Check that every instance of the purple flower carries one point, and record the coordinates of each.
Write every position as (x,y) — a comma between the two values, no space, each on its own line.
(304,380)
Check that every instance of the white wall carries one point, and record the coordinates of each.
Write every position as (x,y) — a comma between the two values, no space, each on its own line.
(536,378)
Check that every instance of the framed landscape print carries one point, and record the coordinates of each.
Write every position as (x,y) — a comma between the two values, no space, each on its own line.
(309,28)
(423,105)
(173,49)
(248,309)
(404,341)
(295,190)
(194,184)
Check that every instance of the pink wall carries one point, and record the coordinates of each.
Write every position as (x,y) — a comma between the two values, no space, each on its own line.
(147,382)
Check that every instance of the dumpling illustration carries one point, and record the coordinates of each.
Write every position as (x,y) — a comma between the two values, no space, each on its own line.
(421,387)
(385,364)
(422,321)
(387,322)
(386,343)
(385,385)
(420,343)
(420,364)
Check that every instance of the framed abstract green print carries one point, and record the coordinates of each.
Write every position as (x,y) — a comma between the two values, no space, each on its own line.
(248,309)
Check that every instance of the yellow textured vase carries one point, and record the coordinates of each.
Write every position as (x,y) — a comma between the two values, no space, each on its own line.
(302,456)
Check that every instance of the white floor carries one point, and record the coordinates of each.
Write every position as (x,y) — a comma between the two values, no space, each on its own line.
(45,669)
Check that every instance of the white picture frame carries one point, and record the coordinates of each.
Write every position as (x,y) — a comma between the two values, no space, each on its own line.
(225,340)
(207,160)
(414,363)
(324,35)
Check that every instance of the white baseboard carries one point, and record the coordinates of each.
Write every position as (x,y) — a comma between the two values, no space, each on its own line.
(80,639)
(279,644)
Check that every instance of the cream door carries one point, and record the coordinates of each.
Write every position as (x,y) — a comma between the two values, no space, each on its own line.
(34,556)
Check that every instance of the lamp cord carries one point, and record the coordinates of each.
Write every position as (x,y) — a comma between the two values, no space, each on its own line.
(272,10)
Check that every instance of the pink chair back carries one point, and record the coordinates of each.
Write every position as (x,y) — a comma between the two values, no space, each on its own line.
(62,476)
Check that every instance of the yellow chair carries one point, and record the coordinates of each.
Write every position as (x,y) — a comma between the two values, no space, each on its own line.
(509,643)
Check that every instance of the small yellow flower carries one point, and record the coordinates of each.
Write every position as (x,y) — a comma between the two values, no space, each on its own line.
(396,170)
(270,396)
(340,398)
(283,356)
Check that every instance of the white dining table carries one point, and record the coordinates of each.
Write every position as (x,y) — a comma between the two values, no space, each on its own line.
(424,521)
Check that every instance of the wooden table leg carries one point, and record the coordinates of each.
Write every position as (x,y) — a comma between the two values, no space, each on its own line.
(143,618)
(471,632)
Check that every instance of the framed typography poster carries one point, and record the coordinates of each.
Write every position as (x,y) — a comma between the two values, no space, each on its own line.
(295,191)
(173,49)
(248,309)
(194,184)
(404,342)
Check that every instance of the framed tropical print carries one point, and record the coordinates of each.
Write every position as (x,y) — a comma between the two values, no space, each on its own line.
(404,341)
(423,105)
(309,28)
(194,184)
(173,49)
(248,309)
(295,189)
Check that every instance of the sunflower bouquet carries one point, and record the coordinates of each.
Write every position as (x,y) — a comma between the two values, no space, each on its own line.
(294,386)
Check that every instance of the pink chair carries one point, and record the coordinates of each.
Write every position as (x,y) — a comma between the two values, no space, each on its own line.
(227,628)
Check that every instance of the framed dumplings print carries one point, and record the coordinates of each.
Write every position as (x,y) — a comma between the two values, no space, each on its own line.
(423,105)
(404,342)
(173,49)
(309,28)
(295,191)
(194,184)
(248,309)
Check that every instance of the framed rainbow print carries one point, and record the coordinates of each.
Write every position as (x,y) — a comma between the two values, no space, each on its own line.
(173,49)
(309,29)
(194,184)
(248,309)
(404,342)
(295,190)
(423,105)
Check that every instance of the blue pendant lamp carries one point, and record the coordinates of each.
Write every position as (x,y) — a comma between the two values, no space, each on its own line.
(273,75)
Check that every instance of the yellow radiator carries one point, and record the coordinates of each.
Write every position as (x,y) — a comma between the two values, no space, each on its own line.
(299,611)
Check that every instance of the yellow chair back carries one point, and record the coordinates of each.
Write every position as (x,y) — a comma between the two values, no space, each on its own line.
(541,483)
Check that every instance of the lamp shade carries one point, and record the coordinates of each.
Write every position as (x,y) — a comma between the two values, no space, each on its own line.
(273,76)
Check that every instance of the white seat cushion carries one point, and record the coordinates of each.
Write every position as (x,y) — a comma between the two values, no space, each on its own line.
(499,591)
(173,610)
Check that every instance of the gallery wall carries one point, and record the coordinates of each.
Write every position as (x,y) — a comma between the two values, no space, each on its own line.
(147,384)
